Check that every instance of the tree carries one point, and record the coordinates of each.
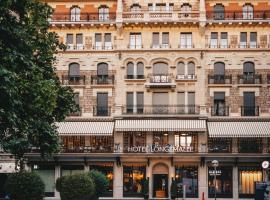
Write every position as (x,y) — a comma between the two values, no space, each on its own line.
(25,186)
(101,183)
(31,96)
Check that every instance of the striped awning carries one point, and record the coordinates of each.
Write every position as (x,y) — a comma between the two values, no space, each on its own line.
(239,129)
(85,128)
(160,125)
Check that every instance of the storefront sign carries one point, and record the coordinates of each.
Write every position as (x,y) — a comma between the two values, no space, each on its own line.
(159,149)
(212,172)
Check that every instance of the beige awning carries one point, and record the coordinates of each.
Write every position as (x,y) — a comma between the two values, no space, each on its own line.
(160,125)
(85,128)
(239,129)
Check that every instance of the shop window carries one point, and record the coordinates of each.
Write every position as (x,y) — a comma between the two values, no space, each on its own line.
(220,145)
(188,141)
(136,140)
(67,170)
(186,176)
(47,174)
(247,178)
(250,145)
(160,139)
(224,180)
(107,170)
(133,177)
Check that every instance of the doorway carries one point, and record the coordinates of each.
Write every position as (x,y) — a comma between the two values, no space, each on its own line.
(160,185)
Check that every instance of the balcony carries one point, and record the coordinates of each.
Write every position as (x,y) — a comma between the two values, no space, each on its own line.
(87,149)
(160,46)
(250,79)
(102,79)
(160,80)
(189,77)
(222,111)
(73,80)
(106,47)
(238,16)
(219,79)
(75,47)
(160,16)
(250,111)
(101,111)
(161,110)
(83,18)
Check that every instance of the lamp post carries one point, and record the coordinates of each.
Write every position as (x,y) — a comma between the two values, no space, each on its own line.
(215,165)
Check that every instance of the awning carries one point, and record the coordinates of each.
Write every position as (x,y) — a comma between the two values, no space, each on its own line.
(239,129)
(85,128)
(160,125)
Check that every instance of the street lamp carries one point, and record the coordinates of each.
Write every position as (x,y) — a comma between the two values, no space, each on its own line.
(215,165)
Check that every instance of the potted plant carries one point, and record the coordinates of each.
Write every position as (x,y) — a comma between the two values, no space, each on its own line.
(145,188)
(173,189)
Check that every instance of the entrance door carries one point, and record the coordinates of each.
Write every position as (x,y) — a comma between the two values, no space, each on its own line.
(160,186)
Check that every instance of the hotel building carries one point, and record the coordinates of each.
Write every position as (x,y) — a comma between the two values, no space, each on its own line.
(164,88)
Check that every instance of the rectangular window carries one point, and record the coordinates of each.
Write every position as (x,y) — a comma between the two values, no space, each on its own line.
(130,102)
(135,41)
(69,41)
(160,138)
(250,145)
(140,102)
(155,40)
(187,176)
(243,40)
(220,145)
(133,177)
(108,41)
(248,175)
(185,40)
(181,102)
(134,139)
(223,184)
(249,108)
(224,40)
(253,40)
(160,101)
(98,41)
(187,141)
(219,108)
(165,40)
(79,41)
(214,40)
(102,104)
(191,102)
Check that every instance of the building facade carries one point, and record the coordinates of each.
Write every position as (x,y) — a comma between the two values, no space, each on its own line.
(164,87)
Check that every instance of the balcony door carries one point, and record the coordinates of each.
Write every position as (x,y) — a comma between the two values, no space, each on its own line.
(249,72)
(102,104)
(219,12)
(160,102)
(219,73)
(74,73)
(249,104)
(102,73)
(160,73)
(219,104)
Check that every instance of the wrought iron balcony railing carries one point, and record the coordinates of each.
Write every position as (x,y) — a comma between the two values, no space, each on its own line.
(160,78)
(73,80)
(134,77)
(238,15)
(250,111)
(83,17)
(221,111)
(87,149)
(219,79)
(161,109)
(102,79)
(186,77)
(101,111)
(250,79)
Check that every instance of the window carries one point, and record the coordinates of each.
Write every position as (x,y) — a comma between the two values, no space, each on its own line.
(140,102)
(253,40)
(186,7)
(191,102)
(74,73)
(130,102)
(188,141)
(219,108)
(75,14)
(224,40)
(130,70)
(134,139)
(223,187)
(98,41)
(108,41)
(219,73)
(102,73)
(160,7)
(160,68)
(191,70)
(219,12)
(103,13)
(181,70)
(248,175)
(165,40)
(151,7)
(135,41)
(79,41)
(220,145)
(160,102)
(185,40)
(155,40)
(47,175)
(214,40)
(140,70)
(135,72)
(188,176)
(248,73)
(243,40)
(102,104)
(133,177)
(249,108)
(135,8)
(160,139)
(77,102)
(250,145)
(69,42)
(247,11)
(135,105)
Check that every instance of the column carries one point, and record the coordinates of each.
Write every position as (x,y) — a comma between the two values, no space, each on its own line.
(235,182)
(57,174)
(203,179)
(119,12)
(117,181)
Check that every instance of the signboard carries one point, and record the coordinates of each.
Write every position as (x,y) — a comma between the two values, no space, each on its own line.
(212,172)
(262,191)
(159,149)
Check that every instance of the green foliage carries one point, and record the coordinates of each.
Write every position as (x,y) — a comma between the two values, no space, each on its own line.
(173,189)
(25,186)
(32,98)
(101,182)
(76,187)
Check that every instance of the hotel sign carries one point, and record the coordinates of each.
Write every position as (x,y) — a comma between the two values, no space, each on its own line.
(159,149)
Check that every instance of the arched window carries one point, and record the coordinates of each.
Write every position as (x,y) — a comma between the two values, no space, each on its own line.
(74,73)
(135,7)
(219,12)
(140,70)
(75,14)
(103,13)
(247,11)
(191,70)
(160,73)
(130,70)
(181,69)
(186,7)
(249,70)
(102,73)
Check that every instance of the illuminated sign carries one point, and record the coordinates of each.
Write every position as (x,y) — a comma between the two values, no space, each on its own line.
(159,149)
